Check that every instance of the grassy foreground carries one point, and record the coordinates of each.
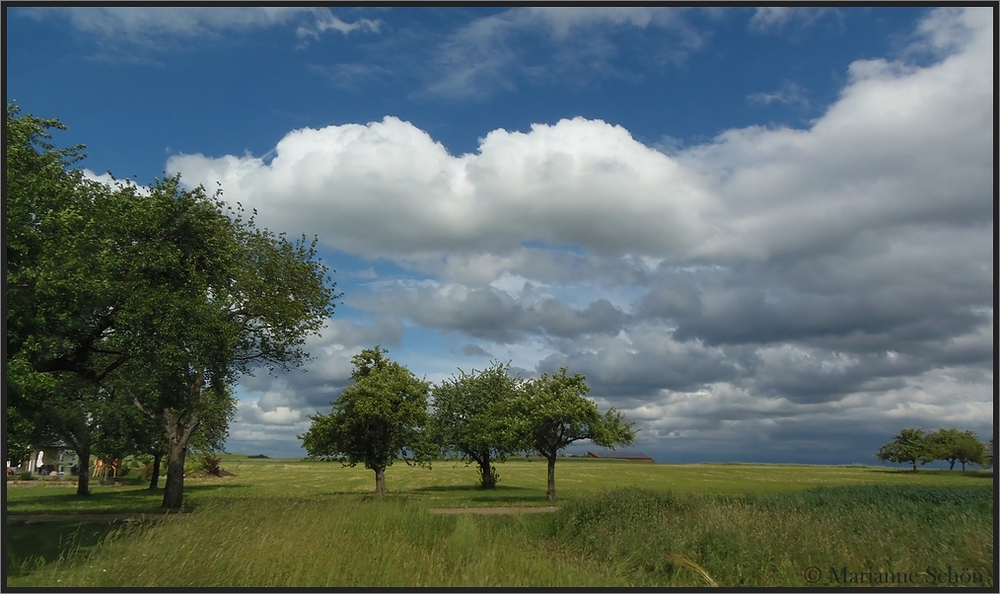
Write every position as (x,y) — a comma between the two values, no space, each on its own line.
(282,523)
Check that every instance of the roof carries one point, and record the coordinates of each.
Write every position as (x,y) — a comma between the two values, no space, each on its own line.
(619,455)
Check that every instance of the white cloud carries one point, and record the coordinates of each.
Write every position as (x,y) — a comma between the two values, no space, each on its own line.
(790,93)
(902,144)
(488,53)
(396,191)
(145,25)
(775,18)
(112,182)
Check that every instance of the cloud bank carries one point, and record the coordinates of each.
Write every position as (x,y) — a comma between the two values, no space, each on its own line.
(766,293)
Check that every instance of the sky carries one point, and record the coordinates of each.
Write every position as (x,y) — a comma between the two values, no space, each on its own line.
(765,235)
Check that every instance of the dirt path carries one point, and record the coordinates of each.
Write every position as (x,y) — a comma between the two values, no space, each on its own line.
(493,511)
(119,517)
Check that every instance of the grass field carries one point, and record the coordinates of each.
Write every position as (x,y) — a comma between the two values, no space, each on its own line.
(295,523)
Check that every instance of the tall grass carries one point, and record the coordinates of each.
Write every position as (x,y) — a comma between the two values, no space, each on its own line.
(349,541)
(281,523)
(668,539)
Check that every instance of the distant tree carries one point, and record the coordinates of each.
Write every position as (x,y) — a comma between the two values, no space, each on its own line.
(953,446)
(989,453)
(470,418)
(970,450)
(552,413)
(909,446)
(378,418)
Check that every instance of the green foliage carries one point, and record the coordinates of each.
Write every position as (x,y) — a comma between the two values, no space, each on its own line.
(471,418)
(166,295)
(909,446)
(378,418)
(953,446)
(553,413)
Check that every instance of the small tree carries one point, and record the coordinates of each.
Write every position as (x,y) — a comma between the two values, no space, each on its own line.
(470,418)
(553,413)
(953,446)
(969,450)
(909,446)
(378,418)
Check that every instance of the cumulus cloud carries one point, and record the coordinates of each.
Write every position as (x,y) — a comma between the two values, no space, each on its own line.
(897,148)
(753,292)
(549,184)
(112,182)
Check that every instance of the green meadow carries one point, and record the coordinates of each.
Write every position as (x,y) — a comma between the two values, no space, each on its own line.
(292,523)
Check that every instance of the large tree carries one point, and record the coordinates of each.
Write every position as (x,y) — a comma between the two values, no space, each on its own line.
(470,418)
(909,446)
(102,276)
(241,299)
(63,290)
(380,417)
(552,413)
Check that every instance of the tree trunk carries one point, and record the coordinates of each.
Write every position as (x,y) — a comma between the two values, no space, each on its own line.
(952,466)
(380,481)
(963,466)
(550,493)
(914,465)
(83,474)
(179,430)
(154,480)
(488,480)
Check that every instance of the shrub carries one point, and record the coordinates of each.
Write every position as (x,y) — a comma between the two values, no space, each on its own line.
(210,464)
(27,475)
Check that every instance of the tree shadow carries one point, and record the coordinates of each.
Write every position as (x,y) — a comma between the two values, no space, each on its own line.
(985,474)
(30,547)
(467,488)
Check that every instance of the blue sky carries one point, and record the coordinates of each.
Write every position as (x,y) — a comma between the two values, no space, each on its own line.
(764,234)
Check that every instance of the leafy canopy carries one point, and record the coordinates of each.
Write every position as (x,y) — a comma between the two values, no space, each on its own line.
(470,417)
(378,418)
(553,412)
(909,446)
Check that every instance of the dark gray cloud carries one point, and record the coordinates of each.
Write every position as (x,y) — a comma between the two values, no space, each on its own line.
(490,313)
(472,350)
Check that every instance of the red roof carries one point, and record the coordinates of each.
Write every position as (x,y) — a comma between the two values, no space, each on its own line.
(620,456)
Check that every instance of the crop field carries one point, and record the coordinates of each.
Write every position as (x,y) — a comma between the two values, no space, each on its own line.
(291,523)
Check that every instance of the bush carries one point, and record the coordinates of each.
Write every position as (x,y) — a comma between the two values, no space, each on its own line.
(260,456)
(210,464)
(27,475)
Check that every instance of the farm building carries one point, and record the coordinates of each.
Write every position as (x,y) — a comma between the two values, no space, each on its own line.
(49,459)
(620,455)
